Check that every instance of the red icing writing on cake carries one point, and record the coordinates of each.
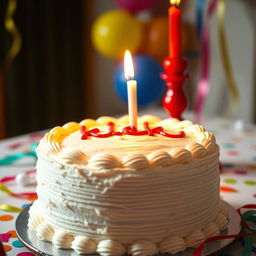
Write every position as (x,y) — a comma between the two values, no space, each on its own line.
(128,130)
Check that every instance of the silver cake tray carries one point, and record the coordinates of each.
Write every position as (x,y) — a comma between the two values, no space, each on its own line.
(43,248)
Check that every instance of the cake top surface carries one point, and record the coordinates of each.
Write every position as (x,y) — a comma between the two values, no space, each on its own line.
(155,142)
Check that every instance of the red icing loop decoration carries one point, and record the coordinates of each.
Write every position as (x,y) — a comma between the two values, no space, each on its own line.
(181,134)
(131,130)
(128,130)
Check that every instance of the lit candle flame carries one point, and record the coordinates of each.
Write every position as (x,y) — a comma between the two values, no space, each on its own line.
(175,2)
(128,66)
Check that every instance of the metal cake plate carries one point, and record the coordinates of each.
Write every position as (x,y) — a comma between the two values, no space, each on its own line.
(42,248)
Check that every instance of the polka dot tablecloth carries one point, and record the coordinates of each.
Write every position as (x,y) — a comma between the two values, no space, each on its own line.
(238,176)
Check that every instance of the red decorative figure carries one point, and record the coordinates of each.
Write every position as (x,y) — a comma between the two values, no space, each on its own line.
(175,101)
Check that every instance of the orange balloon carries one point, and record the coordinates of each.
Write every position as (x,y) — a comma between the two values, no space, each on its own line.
(189,38)
(155,41)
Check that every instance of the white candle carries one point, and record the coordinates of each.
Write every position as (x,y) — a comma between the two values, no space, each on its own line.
(131,89)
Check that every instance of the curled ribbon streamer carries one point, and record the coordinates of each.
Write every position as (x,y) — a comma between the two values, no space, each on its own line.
(25,195)
(10,208)
(13,30)
(12,158)
(203,86)
(225,58)
(200,4)
(12,178)
(247,232)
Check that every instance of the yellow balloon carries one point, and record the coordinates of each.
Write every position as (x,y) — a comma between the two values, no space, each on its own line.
(115,31)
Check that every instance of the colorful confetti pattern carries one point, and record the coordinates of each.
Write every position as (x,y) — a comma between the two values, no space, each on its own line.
(238,177)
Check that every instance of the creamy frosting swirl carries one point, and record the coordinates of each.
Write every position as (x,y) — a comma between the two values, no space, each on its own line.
(45,231)
(103,161)
(73,156)
(142,248)
(160,158)
(35,221)
(180,156)
(195,238)
(196,150)
(135,161)
(110,248)
(211,230)
(62,239)
(172,245)
(84,245)
(208,141)
(221,221)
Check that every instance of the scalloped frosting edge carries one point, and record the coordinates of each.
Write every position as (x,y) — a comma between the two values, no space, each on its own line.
(50,145)
(85,245)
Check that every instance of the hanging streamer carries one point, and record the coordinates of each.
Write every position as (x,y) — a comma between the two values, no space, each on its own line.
(247,232)
(203,86)
(13,30)
(225,58)
(200,6)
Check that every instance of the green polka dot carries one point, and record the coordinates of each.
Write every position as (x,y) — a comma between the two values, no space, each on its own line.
(254,159)
(230,181)
(250,182)
(228,145)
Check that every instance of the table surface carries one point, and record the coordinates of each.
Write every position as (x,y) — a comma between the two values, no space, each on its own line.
(238,177)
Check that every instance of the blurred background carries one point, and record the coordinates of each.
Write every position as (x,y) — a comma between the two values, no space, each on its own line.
(60,74)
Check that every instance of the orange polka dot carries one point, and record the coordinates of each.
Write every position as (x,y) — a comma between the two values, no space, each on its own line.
(32,198)
(6,217)
(221,196)
(252,166)
(7,247)
(12,233)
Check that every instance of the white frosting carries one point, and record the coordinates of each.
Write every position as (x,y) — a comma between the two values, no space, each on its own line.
(142,248)
(45,232)
(160,158)
(114,192)
(135,161)
(172,245)
(62,239)
(103,160)
(221,221)
(211,230)
(73,156)
(110,248)
(195,238)
(84,245)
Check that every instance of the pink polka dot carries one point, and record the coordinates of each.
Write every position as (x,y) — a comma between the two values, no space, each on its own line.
(232,152)
(254,195)
(25,254)
(240,172)
(236,139)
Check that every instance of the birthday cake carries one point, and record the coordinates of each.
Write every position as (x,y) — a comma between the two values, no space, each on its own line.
(105,187)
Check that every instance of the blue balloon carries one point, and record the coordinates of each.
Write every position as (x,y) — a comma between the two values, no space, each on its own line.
(150,86)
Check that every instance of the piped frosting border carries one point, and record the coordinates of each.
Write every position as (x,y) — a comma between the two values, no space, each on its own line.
(51,147)
(86,245)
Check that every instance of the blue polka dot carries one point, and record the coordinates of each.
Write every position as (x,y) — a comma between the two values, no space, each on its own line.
(228,165)
(17,244)
(25,206)
(228,145)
